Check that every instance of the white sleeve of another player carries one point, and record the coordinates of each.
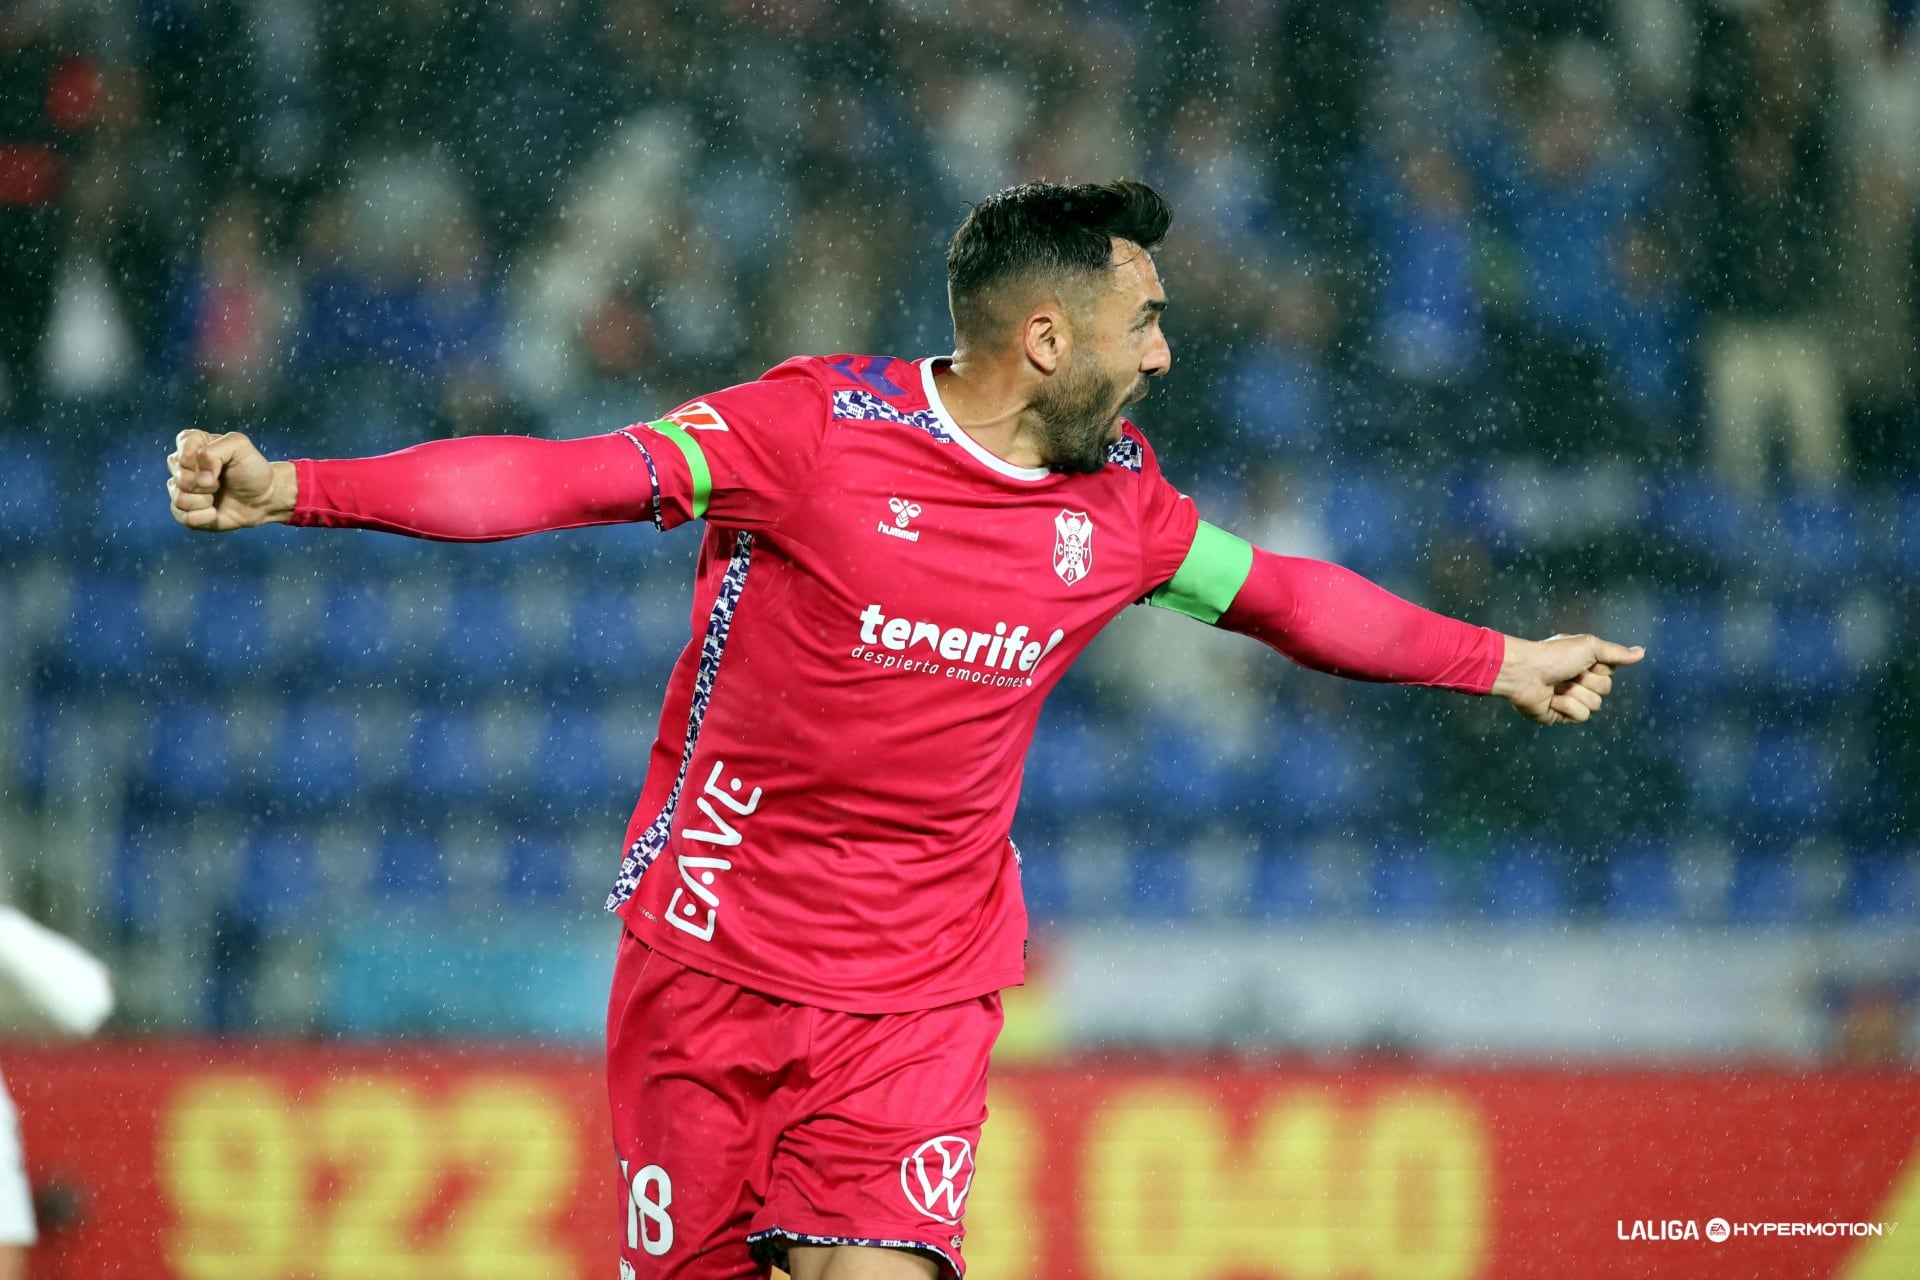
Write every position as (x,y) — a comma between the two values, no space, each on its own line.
(54,975)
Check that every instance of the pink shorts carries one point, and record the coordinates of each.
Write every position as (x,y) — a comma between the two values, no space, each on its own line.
(744,1124)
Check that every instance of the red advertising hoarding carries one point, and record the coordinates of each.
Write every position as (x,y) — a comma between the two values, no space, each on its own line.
(210,1162)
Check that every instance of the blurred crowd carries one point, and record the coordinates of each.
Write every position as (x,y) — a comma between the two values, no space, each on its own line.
(1569,315)
(1670,228)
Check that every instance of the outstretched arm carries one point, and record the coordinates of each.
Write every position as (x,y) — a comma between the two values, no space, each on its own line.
(471,489)
(1331,619)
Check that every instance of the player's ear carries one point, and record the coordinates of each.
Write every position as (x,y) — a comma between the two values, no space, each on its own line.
(1047,338)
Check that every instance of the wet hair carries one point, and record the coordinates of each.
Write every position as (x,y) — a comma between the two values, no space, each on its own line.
(1044,229)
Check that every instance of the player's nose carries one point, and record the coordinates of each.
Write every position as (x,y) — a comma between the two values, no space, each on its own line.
(1159,357)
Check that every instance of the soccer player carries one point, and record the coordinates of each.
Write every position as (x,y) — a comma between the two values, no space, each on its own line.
(901,558)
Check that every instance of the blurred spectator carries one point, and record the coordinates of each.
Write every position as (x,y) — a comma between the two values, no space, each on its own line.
(237,309)
(1646,324)
(1761,108)
(1279,389)
(1878,47)
(49,96)
(1870,1022)
(1436,72)
(1565,184)
(402,286)
(1420,204)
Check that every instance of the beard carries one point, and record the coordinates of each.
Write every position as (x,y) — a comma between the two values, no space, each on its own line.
(1077,411)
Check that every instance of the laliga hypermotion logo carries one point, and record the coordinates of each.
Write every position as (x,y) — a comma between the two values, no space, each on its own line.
(937,1176)
(1072,546)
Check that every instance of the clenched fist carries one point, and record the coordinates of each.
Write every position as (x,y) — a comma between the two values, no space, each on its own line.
(221,483)
(1562,679)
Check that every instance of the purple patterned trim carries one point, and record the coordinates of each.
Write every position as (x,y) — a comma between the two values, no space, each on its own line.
(1126,452)
(864,406)
(646,848)
(778,1256)
(653,474)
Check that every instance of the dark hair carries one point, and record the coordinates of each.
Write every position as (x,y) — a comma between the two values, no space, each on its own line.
(1045,228)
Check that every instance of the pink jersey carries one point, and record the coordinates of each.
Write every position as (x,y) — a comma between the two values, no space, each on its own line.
(881,606)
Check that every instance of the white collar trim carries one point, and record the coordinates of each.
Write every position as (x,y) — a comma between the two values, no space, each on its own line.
(967,442)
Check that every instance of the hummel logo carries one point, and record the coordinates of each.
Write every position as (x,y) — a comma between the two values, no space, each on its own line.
(903,511)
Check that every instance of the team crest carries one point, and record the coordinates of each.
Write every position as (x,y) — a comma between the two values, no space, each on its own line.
(1072,546)
(698,415)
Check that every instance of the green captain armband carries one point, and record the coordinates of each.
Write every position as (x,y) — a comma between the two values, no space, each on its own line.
(696,463)
(1209,578)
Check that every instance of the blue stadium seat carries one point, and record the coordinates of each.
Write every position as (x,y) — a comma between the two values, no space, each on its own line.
(480,638)
(606,636)
(132,512)
(356,628)
(1366,520)
(1642,885)
(408,868)
(1819,539)
(1404,883)
(1882,888)
(1043,884)
(1790,781)
(103,637)
(278,879)
(32,506)
(1193,778)
(315,760)
(136,896)
(1907,534)
(1717,767)
(1314,773)
(1468,504)
(1283,886)
(187,751)
(1070,767)
(1767,889)
(1808,657)
(446,754)
(1687,639)
(539,869)
(34,740)
(1525,883)
(1698,515)
(571,759)
(230,628)
(1159,885)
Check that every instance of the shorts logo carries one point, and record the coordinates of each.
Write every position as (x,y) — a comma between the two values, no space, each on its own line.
(698,415)
(1072,546)
(937,1177)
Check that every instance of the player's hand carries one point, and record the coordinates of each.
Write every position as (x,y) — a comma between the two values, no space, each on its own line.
(1562,679)
(220,483)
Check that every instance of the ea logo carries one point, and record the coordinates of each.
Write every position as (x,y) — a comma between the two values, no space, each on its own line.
(937,1176)
(1718,1229)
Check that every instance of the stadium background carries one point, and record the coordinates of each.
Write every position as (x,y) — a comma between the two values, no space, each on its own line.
(1478,298)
